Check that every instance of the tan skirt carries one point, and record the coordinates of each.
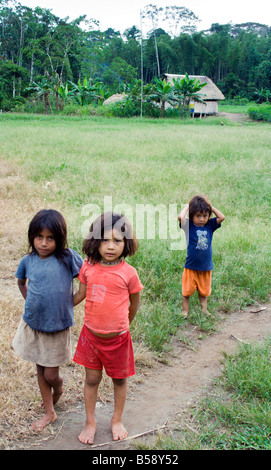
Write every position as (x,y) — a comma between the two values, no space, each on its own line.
(45,349)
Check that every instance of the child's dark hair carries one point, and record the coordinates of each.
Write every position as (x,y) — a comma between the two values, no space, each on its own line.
(199,203)
(54,221)
(109,221)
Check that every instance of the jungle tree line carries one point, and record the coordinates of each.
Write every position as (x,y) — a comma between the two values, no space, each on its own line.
(38,49)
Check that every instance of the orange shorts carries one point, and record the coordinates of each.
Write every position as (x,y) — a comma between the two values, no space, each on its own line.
(200,280)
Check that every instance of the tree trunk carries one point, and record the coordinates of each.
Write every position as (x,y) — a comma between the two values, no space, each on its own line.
(31,68)
(14,87)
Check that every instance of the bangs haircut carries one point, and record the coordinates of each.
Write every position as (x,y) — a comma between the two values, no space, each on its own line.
(103,223)
(52,220)
(199,204)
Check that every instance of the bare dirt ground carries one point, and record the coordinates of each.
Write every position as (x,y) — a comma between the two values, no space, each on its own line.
(165,389)
(235,117)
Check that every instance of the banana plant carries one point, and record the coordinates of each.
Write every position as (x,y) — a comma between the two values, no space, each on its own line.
(84,92)
(64,93)
(188,88)
(43,90)
(263,95)
(102,93)
(164,92)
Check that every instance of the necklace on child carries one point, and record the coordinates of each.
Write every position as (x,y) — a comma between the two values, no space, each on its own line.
(109,263)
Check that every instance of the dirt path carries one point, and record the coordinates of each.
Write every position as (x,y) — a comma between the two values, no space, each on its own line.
(168,388)
(235,117)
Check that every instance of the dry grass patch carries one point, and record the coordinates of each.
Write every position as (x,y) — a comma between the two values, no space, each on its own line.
(20,398)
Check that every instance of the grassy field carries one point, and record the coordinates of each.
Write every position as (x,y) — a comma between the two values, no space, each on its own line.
(230,108)
(78,165)
(72,163)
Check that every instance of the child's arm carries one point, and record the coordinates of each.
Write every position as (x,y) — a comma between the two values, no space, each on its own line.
(134,305)
(220,217)
(80,294)
(182,215)
(23,287)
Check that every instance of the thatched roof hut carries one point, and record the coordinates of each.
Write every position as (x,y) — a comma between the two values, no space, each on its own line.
(115,98)
(210,94)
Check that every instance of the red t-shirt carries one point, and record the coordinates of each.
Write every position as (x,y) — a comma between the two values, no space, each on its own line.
(107,295)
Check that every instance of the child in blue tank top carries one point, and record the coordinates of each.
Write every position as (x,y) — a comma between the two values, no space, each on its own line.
(45,279)
(199,229)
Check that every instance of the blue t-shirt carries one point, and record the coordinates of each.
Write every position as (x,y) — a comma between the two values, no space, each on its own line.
(49,301)
(199,245)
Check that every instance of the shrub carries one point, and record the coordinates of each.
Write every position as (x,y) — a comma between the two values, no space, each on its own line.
(12,104)
(131,108)
(261,112)
(73,109)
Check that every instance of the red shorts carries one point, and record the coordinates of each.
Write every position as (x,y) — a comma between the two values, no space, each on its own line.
(115,354)
(200,280)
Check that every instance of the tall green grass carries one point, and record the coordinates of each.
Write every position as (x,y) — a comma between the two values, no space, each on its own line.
(70,162)
(242,417)
(236,414)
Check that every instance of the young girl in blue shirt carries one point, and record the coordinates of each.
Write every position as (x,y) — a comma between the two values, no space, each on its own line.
(199,229)
(45,279)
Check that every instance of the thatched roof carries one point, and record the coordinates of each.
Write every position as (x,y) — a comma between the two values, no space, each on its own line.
(210,90)
(115,98)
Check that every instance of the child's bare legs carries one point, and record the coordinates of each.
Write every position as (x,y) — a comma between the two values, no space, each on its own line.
(120,391)
(50,384)
(203,303)
(93,378)
(92,381)
(185,305)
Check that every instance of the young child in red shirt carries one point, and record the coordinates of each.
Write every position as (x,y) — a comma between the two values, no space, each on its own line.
(112,291)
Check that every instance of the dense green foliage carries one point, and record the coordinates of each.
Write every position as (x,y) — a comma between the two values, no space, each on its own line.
(40,52)
(260,113)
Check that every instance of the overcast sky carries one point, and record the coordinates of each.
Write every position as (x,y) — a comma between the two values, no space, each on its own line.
(122,14)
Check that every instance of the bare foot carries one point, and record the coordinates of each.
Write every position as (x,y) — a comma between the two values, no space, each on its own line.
(205,312)
(44,421)
(118,431)
(88,433)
